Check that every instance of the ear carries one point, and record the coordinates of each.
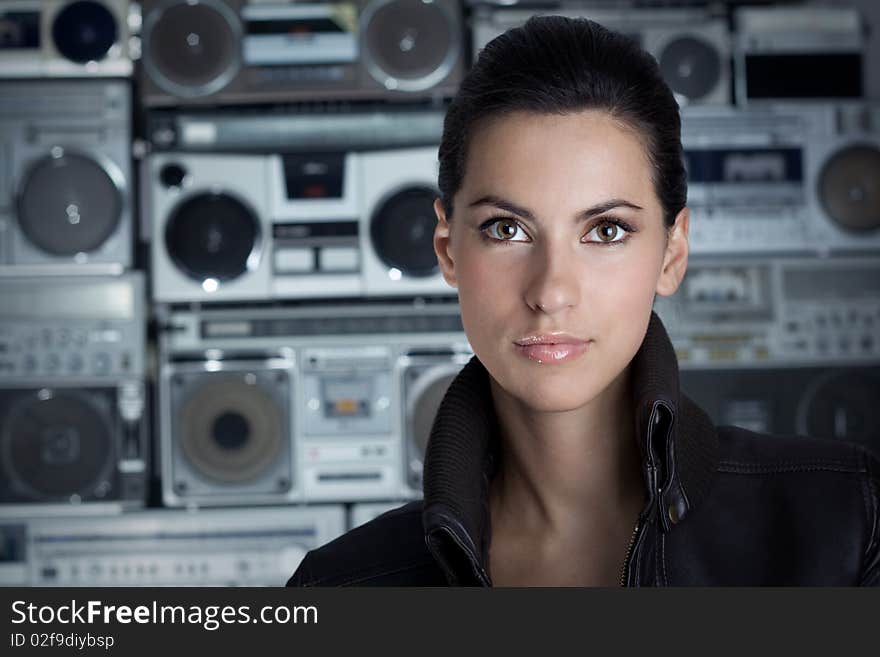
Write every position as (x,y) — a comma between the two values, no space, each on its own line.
(675,258)
(442,244)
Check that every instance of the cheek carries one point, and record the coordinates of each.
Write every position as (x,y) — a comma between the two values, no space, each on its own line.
(482,290)
(632,278)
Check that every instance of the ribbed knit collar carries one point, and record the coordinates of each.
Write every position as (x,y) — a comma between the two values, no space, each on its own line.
(463,447)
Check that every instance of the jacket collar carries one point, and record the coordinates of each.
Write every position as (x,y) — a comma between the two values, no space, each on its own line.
(677,440)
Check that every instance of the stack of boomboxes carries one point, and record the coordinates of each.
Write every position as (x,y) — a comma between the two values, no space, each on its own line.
(264,372)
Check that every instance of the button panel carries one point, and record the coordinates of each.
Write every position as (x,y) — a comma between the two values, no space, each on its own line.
(839,330)
(80,348)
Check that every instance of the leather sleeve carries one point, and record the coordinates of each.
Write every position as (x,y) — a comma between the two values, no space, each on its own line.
(871,571)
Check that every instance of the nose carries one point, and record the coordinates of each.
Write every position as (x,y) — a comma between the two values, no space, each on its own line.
(554,285)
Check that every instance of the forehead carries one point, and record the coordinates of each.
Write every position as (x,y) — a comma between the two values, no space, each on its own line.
(581,157)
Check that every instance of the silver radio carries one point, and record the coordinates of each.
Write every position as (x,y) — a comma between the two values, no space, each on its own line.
(788,179)
(64,38)
(223,52)
(786,345)
(72,401)
(776,312)
(296,226)
(339,401)
(799,52)
(253,547)
(65,181)
(692,46)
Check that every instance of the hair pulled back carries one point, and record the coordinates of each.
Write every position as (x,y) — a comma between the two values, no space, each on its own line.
(559,65)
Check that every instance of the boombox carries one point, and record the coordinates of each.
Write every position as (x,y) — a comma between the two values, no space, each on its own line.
(776,312)
(829,402)
(788,179)
(72,401)
(799,52)
(311,403)
(223,52)
(167,547)
(64,38)
(692,46)
(295,226)
(785,345)
(65,176)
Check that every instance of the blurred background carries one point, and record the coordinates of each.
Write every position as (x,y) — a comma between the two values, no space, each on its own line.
(223,335)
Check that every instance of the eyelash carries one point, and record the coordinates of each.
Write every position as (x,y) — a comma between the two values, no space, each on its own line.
(624,226)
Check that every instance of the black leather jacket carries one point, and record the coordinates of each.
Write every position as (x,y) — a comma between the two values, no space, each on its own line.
(725,506)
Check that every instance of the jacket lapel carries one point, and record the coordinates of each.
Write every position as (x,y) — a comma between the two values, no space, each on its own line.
(675,436)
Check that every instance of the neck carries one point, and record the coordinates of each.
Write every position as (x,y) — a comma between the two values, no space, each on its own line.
(555,466)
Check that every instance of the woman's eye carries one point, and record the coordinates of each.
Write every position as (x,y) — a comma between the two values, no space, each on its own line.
(606,232)
(507,230)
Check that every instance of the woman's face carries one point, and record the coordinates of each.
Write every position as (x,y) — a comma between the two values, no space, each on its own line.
(557,247)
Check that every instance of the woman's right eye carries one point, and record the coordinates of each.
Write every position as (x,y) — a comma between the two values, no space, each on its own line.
(504,230)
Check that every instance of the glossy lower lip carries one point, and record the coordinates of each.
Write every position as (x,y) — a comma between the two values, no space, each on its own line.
(552,353)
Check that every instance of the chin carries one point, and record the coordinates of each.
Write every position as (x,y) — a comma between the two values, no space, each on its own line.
(554,394)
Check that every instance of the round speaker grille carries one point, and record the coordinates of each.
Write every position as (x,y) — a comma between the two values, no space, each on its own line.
(410,44)
(426,395)
(231,429)
(402,231)
(691,67)
(212,235)
(843,405)
(849,187)
(84,31)
(68,204)
(58,444)
(192,48)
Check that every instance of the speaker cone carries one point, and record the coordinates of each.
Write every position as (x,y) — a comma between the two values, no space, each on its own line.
(230,428)
(68,203)
(192,48)
(212,235)
(843,405)
(691,67)
(410,44)
(402,231)
(58,444)
(84,31)
(424,393)
(849,187)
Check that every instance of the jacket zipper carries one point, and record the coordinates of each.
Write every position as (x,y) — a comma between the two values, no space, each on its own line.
(624,569)
(652,486)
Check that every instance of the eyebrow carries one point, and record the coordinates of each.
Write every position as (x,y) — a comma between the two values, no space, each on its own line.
(525,213)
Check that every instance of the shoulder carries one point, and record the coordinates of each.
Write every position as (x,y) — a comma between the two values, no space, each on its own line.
(751,453)
(823,482)
(785,509)
(389,550)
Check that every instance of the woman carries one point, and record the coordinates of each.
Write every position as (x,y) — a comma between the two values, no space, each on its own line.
(564,453)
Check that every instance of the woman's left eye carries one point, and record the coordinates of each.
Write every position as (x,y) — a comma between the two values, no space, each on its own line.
(606,232)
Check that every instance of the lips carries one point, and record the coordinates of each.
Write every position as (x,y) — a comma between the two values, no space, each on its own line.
(551,348)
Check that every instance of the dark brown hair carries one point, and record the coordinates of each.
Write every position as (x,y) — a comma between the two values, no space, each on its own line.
(558,65)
